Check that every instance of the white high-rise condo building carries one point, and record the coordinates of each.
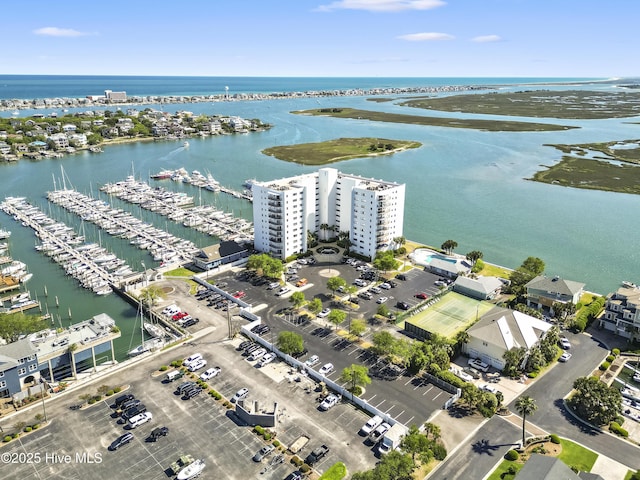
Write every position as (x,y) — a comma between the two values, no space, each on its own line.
(371,211)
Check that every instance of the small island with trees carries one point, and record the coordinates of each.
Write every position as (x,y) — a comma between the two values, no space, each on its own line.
(322,153)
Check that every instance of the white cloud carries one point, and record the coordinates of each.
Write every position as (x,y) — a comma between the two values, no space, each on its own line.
(381,5)
(59,32)
(426,37)
(486,39)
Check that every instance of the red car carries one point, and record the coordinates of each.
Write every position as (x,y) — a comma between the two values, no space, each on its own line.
(179,315)
(239,294)
(422,295)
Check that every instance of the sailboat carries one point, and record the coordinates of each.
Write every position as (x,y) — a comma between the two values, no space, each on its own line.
(146,345)
(153,329)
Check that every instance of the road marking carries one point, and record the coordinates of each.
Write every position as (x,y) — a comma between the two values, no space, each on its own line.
(381,402)
(409,381)
(374,396)
(408,422)
(437,395)
(427,390)
(397,416)
(392,406)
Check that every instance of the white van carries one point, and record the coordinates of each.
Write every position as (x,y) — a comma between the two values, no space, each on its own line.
(174,375)
(192,359)
(257,354)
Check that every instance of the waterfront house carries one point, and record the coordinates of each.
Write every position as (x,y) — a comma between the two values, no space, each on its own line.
(18,367)
(448,267)
(622,313)
(544,467)
(69,128)
(500,330)
(481,288)
(220,254)
(78,140)
(543,292)
(60,140)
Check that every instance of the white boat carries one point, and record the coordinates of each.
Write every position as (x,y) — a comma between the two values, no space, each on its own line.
(192,470)
(628,284)
(147,346)
(26,277)
(4,234)
(185,144)
(153,330)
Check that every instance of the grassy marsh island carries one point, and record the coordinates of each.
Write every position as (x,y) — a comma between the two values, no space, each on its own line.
(322,153)
(611,166)
(486,125)
(570,104)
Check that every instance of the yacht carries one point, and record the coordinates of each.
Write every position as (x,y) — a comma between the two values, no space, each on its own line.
(146,347)
(4,234)
(154,330)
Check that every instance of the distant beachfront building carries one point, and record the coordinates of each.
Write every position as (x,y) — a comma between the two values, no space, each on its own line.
(285,210)
(622,312)
(112,96)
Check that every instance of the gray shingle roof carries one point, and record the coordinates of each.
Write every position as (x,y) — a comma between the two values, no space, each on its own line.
(555,285)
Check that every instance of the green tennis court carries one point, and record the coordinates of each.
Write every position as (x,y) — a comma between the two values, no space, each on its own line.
(448,316)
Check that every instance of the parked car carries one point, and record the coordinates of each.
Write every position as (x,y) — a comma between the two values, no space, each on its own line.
(139,419)
(316,455)
(158,432)
(365,295)
(478,364)
(122,399)
(191,359)
(488,388)
(376,435)
(192,392)
(564,357)
(197,365)
(565,343)
(257,354)
(324,313)
(249,350)
(282,291)
(312,360)
(239,294)
(273,285)
(240,395)
(263,452)
(210,373)
(302,282)
(294,476)
(371,425)
(190,322)
(330,401)
(385,286)
(268,358)
(401,276)
(184,386)
(133,411)
(375,290)
(403,305)
(245,344)
(473,372)
(326,369)
(300,354)
(422,296)
(120,441)
(382,300)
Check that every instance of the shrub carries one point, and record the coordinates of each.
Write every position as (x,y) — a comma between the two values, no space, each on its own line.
(27,429)
(554,439)
(512,455)
(258,429)
(610,358)
(15,435)
(439,451)
(267,436)
(276,443)
(164,368)
(615,351)
(618,430)
(36,426)
(304,468)
(117,390)
(296,460)
(109,393)
(91,401)
(7,438)
(532,374)
(604,366)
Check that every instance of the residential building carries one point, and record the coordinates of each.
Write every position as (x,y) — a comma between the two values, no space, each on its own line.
(543,292)
(500,330)
(545,467)
(115,96)
(622,312)
(60,140)
(285,210)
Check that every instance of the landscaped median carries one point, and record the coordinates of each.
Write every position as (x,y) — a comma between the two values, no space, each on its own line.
(575,456)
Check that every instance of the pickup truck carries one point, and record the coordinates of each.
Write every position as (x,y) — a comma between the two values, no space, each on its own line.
(478,364)
(316,455)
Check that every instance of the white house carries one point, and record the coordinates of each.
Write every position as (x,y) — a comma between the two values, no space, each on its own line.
(500,330)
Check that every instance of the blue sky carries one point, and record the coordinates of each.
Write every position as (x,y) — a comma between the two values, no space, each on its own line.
(387,38)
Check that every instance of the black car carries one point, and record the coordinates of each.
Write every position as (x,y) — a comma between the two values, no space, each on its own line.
(300,354)
(129,404)
(132,412)
(122,399)
(316,455)
(294,476)
(183,386)
(120,441)
(392,283)
(401,276)
(221,284)
(263,329)
(158,432)
(189,394)
(403,305)
(244,345)
(191,322)
(249,350)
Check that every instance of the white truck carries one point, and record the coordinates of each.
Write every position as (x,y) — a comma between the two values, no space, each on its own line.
(391,440)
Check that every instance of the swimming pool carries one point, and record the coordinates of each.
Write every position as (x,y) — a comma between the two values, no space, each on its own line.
(423,256)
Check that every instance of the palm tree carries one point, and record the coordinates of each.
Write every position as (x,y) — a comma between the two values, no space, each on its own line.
(525,406)
(323,228)
(449,245)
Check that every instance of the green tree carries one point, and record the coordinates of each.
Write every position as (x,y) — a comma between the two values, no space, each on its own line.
(383,311)
(266,265)
(595,401)
(385,261)
(393,466)
(525,406)
(534,265)
(383,343)
(290,342)
(297,299)
(334,283)
(415,443)
(315,306)
(356,376)
(358,327)
(514,359)
(474,256)
(462,338)
(449,245)
(337,316)
(432,430)
(471,395)
(14,325)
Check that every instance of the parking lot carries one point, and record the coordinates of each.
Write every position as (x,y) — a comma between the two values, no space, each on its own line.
(201,426)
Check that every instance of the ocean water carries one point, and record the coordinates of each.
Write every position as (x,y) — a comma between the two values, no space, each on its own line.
(53,86)
(462,184)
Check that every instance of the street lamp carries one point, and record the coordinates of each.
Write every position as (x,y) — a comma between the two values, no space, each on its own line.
(44,411)
(144,273)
